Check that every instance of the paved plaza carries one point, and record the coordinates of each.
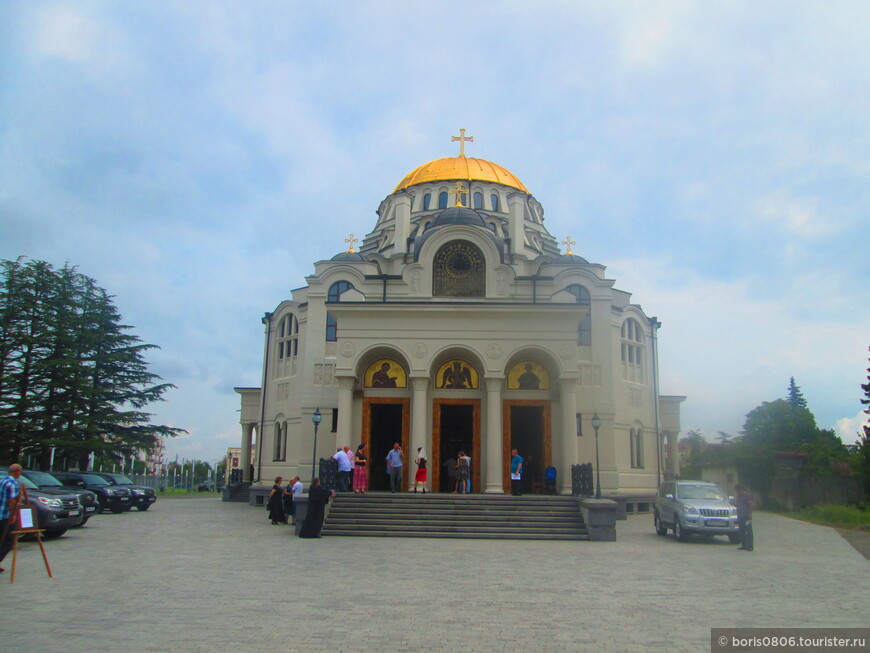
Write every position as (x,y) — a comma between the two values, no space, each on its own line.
(197,574)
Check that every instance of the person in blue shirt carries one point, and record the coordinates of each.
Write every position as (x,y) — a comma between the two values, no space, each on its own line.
(394,465)
(9,493)
(516,473)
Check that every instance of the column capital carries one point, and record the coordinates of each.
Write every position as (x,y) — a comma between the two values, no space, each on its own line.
(420,382)
(493,383)
(346,382)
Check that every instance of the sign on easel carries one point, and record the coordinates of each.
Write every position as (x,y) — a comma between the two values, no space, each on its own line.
(26,524)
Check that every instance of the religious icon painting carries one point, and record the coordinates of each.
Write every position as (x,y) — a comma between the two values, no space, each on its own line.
(528,375)
(385,373)
(457,375)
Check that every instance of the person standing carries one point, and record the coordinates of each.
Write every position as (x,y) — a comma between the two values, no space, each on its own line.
(296,489)
(450,468)
(420,476)
(10,491)
(351,456)
(360,471)
(394,465)
(343,469)
(743,502)
(516,473)
(463,473)
(318,497)
(287,500)
(275,504)
(470,474)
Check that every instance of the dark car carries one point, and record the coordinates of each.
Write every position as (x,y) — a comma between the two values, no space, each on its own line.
(116,499)
(54,512)
(141,496)
(50,485)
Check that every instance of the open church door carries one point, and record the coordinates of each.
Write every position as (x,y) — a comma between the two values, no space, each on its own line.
(527,429)
(455,428)
(386,421)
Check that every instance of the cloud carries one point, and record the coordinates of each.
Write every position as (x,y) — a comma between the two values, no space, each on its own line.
(850,428)
(798,216)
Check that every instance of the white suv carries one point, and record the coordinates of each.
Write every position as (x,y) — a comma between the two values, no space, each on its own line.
(695,507)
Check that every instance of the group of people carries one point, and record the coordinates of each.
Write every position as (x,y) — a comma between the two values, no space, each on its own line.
(352,469)
(395,465)
(281,504)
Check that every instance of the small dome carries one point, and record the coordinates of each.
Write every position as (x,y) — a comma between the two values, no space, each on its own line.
(570,259)
(349,256)
(459,215)
(461,168)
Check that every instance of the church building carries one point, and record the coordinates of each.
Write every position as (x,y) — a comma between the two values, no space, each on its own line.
(458,324)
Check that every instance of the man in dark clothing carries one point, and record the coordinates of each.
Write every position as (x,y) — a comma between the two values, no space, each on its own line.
(318,497)
(744,518)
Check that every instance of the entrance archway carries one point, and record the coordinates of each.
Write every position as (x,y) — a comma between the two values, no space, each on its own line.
(455,427)
(526,424)
(386,420)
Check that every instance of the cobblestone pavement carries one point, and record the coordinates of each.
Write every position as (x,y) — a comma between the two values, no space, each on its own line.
(202,575)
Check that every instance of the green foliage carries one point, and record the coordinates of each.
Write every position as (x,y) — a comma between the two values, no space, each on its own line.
(861,457)
(694,445)
(72,376)
(836,515)
(795,397)
(778,426)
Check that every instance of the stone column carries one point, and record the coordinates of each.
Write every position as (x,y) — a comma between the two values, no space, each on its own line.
(494,434)
(344,436)
(419,404)
(245,456)
(568,401)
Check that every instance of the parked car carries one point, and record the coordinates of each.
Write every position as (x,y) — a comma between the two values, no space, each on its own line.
(50,485)
(116,499)
(694,507)
(54,512)
(141,496)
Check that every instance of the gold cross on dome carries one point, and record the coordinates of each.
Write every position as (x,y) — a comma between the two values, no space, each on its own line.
(350,240)
(567,243)
(459,190)
(462,138)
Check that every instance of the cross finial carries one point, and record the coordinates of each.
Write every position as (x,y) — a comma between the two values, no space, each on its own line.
(458,190)
(350,240)
(462,138)
(567,243)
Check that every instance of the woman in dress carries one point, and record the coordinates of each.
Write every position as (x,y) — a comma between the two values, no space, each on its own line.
(318,497)
(275,504)
(360,471)
(463,473)
(421,469)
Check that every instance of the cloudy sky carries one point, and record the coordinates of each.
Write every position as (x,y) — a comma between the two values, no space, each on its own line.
(197,157)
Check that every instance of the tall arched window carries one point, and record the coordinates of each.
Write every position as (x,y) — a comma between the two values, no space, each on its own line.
(442,200)
(288,337)
(427,199)
(636,446)
(584,330)
(478,200)
(459,270)
(632,351)
(494,199)
(280,441)
(331,328)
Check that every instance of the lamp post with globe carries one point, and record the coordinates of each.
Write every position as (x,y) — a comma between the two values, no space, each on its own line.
(315,419)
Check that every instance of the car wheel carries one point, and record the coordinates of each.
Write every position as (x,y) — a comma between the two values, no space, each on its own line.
(679,531)
(145,507)
(661,529)
(128,508)
(84,521)
(53,534)
(734,539)
(117,510)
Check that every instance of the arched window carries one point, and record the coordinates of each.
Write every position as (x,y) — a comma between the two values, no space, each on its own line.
(636,446)
(280,441)
(632,351)
(584,330)
(335,290)
(459,270)
(478,200)
(427,199)
(494,199)
(442,200)
(331,328)
(288,337)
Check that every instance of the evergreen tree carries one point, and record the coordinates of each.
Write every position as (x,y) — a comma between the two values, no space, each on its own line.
(795,397)
(862,445)
(72,375)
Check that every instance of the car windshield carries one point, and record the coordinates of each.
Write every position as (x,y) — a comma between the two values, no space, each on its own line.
(700,492)
(26,482)
(43,479)
(92,479)
(120,479)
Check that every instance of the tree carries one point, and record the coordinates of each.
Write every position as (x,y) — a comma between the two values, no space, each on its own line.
(862,445)
(693,446)
(72,376)
(795,397)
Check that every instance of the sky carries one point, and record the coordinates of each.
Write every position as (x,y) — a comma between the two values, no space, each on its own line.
(196,158)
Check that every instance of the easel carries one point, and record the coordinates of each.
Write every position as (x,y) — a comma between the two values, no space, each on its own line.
(25,527)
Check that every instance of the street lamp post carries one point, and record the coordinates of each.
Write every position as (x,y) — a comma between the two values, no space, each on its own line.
(315,419)
(596,424)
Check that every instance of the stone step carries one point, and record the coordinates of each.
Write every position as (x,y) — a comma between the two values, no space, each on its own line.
(464,536)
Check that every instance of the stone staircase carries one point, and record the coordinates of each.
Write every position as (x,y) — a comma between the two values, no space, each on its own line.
(238,493)
(471,516)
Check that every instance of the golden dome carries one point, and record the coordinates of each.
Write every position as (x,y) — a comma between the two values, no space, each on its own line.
(460,167)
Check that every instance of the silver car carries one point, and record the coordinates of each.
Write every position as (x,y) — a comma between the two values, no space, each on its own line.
(695,507)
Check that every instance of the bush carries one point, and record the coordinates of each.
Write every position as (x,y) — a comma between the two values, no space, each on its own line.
(835,515)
